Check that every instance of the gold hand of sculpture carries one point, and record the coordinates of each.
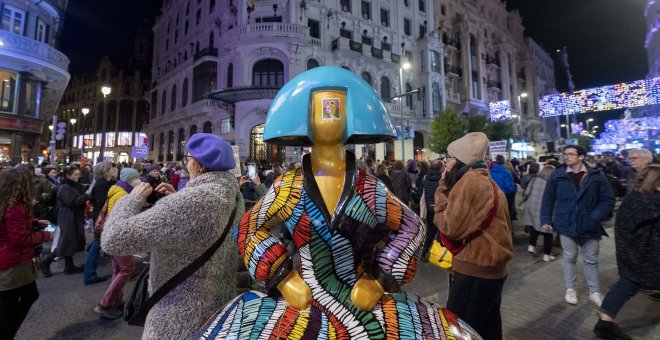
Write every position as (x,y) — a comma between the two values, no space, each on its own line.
(295,291)
(366,292)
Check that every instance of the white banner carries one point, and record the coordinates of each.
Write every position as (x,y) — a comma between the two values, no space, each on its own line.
(497,148)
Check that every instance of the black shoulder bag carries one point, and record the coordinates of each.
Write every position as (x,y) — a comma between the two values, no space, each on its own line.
(140,303)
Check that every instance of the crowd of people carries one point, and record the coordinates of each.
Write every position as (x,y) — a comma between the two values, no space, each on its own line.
(141,207)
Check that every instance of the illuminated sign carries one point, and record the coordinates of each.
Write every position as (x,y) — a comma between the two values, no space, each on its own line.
(618,96)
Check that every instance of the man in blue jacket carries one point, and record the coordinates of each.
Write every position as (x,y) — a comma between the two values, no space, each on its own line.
(576,199)
(504,179)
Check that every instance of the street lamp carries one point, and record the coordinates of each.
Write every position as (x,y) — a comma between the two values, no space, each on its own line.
(405,66)
(73,122)
(106,91)
(589,121)
(85,111)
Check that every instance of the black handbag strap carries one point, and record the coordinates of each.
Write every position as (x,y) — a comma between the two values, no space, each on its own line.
(191,268)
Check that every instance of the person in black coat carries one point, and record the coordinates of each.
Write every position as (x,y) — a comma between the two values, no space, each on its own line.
(429,185)
(637,237)
(71,202)
(105,175)
(383,175)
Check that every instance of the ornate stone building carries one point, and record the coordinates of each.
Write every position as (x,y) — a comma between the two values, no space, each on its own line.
(33,75)
(127,111)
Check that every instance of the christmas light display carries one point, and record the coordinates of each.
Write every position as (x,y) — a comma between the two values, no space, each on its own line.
(629,133)
(611,97)
(500,110)
(577,128)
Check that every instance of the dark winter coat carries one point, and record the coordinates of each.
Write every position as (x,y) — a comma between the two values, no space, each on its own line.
(637,236)
(430,184)
(577,213)
(17,240)
(387,181)
(71,202)
(401,184)
(503,178)
(100,195)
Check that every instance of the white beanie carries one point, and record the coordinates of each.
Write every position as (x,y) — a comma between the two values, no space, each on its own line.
(469,148)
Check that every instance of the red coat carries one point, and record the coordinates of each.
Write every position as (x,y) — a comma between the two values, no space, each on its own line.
(17,240)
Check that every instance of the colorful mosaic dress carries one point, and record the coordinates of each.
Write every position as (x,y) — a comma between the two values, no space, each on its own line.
(370,231)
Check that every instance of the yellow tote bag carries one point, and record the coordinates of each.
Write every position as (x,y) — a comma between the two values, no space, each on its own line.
(440,256)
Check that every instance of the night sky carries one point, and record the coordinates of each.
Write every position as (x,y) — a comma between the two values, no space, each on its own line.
(604,38)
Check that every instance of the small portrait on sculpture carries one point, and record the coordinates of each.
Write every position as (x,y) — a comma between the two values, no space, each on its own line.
(331,108)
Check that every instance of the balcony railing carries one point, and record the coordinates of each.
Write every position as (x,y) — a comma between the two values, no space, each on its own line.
(376,53)
(451,69)
(490,60)
(32,48)
(355,46)
(209,51)
(395,58)
(267,27)
(452,43)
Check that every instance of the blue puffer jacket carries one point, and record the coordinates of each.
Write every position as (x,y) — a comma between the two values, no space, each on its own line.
(573,212)
(503,178)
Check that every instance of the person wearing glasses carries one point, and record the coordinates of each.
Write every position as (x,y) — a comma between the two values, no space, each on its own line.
(638,159)
(576,199)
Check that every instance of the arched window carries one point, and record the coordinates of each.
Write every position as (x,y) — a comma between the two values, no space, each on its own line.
(170,145)
(126,115)
(435,98)
(385,89)
(173,100)
(312,63)
(208,127)
(193,130)
(230,75)
(180,145)
(184,93)
(367,77)
(409,99)
(163,102)
(268,72)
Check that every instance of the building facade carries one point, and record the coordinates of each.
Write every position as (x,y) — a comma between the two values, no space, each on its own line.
(544,84)
(218,64)
(127,107)
(33,75)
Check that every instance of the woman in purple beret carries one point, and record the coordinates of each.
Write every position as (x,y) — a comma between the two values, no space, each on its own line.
(177,230)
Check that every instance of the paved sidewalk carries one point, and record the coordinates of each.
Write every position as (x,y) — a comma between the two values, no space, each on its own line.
(533,304)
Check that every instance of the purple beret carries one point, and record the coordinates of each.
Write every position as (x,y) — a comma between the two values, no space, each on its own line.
(211,151)
(151,168)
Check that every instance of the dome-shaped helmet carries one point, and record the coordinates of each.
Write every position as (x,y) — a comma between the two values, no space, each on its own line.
(289,116)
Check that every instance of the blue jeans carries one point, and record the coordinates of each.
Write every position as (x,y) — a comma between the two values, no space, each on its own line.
(618,295)
(90,276)
(590,250)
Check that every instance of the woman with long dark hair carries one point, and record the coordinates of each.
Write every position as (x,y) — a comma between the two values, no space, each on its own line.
(18,238)
(471,210)
(71,203)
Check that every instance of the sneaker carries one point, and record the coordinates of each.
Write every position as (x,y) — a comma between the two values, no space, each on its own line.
(609,330)
(531,249)
(45,269)
(571,296)
(73,270)
(548,258)
(596,299)
(109,313)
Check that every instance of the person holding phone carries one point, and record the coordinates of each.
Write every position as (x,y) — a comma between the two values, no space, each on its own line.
(251,186)
(18,238)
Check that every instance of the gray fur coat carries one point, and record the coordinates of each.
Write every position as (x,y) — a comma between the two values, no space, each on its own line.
(533,196)
(177,230)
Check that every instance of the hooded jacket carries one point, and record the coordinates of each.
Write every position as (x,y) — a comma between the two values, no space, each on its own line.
(462,211)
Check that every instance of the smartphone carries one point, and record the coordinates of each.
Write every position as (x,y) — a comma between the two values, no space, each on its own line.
(50,228)
(252,171)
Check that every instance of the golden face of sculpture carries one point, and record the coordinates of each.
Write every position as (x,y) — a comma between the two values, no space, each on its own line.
(328,117)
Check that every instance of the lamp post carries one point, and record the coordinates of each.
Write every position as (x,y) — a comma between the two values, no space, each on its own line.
(589,121)
(73,122)
(522,137)
(106,91)
(85,111)
(405,65)
(52,139)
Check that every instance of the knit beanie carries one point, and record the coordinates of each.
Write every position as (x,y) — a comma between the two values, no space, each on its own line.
(128,173)
(151,168)
(469,148)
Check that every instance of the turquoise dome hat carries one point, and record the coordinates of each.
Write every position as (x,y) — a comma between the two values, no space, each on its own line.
(288,120)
